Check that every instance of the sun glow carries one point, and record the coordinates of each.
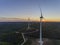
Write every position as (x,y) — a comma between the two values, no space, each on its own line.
(26,19)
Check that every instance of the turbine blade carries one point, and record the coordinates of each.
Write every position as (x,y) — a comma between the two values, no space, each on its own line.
(41,13)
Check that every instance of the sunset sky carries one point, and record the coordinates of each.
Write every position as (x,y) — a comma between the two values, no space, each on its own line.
(21,10)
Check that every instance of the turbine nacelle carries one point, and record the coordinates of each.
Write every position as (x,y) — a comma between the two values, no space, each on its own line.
(41,16)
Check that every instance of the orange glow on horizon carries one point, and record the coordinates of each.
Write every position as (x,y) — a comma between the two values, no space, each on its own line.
(31,19)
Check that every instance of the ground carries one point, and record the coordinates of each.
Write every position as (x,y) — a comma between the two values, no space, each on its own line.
(45,42)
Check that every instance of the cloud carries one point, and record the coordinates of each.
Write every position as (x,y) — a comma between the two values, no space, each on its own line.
(2,19)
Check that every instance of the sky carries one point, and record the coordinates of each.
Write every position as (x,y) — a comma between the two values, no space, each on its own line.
(21,10)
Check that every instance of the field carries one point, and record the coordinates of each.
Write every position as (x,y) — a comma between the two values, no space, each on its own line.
(8,35)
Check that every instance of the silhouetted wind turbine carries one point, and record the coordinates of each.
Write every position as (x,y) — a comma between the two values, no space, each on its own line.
(41,17)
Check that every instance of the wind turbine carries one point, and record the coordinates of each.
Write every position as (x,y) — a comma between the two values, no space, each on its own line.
(28,23)
(41,17)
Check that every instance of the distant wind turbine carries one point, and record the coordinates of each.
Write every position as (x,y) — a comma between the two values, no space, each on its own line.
(28,23)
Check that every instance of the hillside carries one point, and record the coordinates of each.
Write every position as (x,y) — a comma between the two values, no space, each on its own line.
(51,30)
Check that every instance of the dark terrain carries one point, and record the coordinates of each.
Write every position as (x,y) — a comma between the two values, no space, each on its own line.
(8,30)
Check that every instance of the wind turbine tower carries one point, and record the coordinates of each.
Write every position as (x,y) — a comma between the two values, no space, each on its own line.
(28,23)
(41,17)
